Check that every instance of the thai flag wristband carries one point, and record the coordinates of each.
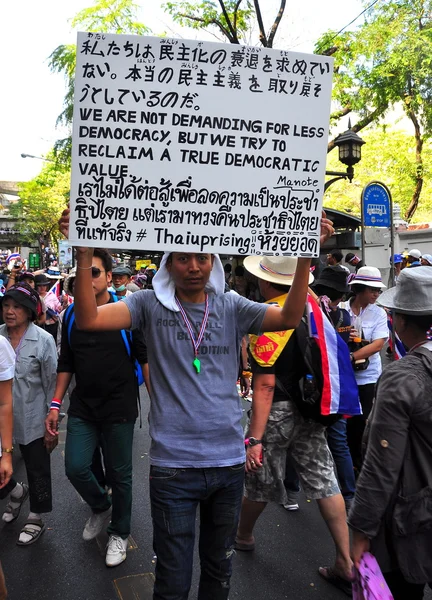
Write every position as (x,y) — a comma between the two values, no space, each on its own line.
(55,404)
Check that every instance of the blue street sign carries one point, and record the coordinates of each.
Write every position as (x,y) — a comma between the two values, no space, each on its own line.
(376,206)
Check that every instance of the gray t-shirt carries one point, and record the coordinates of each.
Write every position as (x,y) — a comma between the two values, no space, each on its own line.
(195,418)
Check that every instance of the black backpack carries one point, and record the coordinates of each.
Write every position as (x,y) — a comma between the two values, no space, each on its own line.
(309,401)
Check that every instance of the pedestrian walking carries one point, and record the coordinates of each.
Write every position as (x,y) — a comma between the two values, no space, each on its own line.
(277,427)
(102,413)
(369,334)
(392,511)
(33,386)
(193,332)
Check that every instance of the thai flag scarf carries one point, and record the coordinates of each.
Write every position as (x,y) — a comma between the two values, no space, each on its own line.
(340,392)
(399,349)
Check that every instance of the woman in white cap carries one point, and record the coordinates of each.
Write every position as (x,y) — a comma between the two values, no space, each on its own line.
(370,328)
(392,511)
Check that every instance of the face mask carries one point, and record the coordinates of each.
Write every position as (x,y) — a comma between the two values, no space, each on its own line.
(120,288)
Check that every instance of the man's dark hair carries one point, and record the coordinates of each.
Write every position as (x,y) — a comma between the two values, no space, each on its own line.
(239,271)
(337,255)
(280,288)
(227,268)
(323,290)
(105,257)
(349,256)
(358,288)
(421,322)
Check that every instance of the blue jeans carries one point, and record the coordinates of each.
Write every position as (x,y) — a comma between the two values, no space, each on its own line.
(83,437)
(175,495)
(338,444)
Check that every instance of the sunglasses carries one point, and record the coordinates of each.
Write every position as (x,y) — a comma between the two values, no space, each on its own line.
(96,272)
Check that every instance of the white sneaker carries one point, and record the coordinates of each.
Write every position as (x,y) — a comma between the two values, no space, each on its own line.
(291,506)
(116,551)
(95,524)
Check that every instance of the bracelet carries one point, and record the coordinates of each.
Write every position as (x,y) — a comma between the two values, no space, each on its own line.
(84,268)
(8,450)
(55,404)
(246,373)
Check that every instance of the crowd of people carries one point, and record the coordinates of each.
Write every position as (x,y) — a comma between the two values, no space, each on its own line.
(189,335)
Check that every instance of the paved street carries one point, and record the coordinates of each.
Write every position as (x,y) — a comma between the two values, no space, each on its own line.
(61,566)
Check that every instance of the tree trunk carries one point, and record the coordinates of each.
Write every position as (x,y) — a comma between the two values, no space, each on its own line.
(419,170)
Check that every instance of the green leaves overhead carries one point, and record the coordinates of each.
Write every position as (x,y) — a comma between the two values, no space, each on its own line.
(41,202)
(232,18)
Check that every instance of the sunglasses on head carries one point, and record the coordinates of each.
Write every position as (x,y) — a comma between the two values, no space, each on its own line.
(96,272)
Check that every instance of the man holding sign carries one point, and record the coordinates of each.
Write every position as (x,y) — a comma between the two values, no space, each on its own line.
(193,333)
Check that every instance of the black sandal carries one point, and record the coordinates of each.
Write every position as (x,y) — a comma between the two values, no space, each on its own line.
(330,576)
(33,528)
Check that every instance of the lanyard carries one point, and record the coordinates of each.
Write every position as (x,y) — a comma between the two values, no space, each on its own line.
(196,343)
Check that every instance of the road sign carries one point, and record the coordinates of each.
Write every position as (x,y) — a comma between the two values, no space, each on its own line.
(376,206)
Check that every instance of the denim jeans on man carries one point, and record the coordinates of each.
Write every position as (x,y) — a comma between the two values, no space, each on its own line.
(175,495)
(83,437)
(338,444)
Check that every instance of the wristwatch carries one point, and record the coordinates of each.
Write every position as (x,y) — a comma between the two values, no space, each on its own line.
(253,441)
(8,450)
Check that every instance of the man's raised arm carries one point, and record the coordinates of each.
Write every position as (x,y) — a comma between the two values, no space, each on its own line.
(289,316)
(88,315)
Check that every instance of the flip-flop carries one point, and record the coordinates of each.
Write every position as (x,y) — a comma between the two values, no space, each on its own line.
(330,576)
(243,547)
(29,529)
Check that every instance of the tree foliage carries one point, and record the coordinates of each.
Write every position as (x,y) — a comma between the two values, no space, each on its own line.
(384,63)
(388,156)
(41,202)
(233,19)
(105,16)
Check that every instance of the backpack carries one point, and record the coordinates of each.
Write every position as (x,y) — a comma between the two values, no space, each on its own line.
(309,401)
(329,387)
(69,319)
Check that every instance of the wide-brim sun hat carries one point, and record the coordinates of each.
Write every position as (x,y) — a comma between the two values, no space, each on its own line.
(334,278)
(275,269)
(368,276)
(412,294)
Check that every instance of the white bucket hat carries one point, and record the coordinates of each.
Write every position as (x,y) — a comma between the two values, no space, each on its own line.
(369,276)
(276,269)
(412,294)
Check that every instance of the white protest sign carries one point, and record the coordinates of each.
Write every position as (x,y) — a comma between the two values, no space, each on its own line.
(198,146)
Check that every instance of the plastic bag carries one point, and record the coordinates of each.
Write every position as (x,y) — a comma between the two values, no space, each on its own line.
(370,583)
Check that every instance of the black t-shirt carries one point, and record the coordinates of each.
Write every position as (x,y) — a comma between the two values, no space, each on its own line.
(288,368)
(106,386)
(341,321)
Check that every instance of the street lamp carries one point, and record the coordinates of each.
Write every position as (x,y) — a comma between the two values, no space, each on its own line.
(349,145)
(39,157)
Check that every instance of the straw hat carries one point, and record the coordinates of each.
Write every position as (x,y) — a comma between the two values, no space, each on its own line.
(369,276)
(276,269)
(412,294)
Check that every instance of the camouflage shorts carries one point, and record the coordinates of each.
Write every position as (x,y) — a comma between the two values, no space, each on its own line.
(306,443)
